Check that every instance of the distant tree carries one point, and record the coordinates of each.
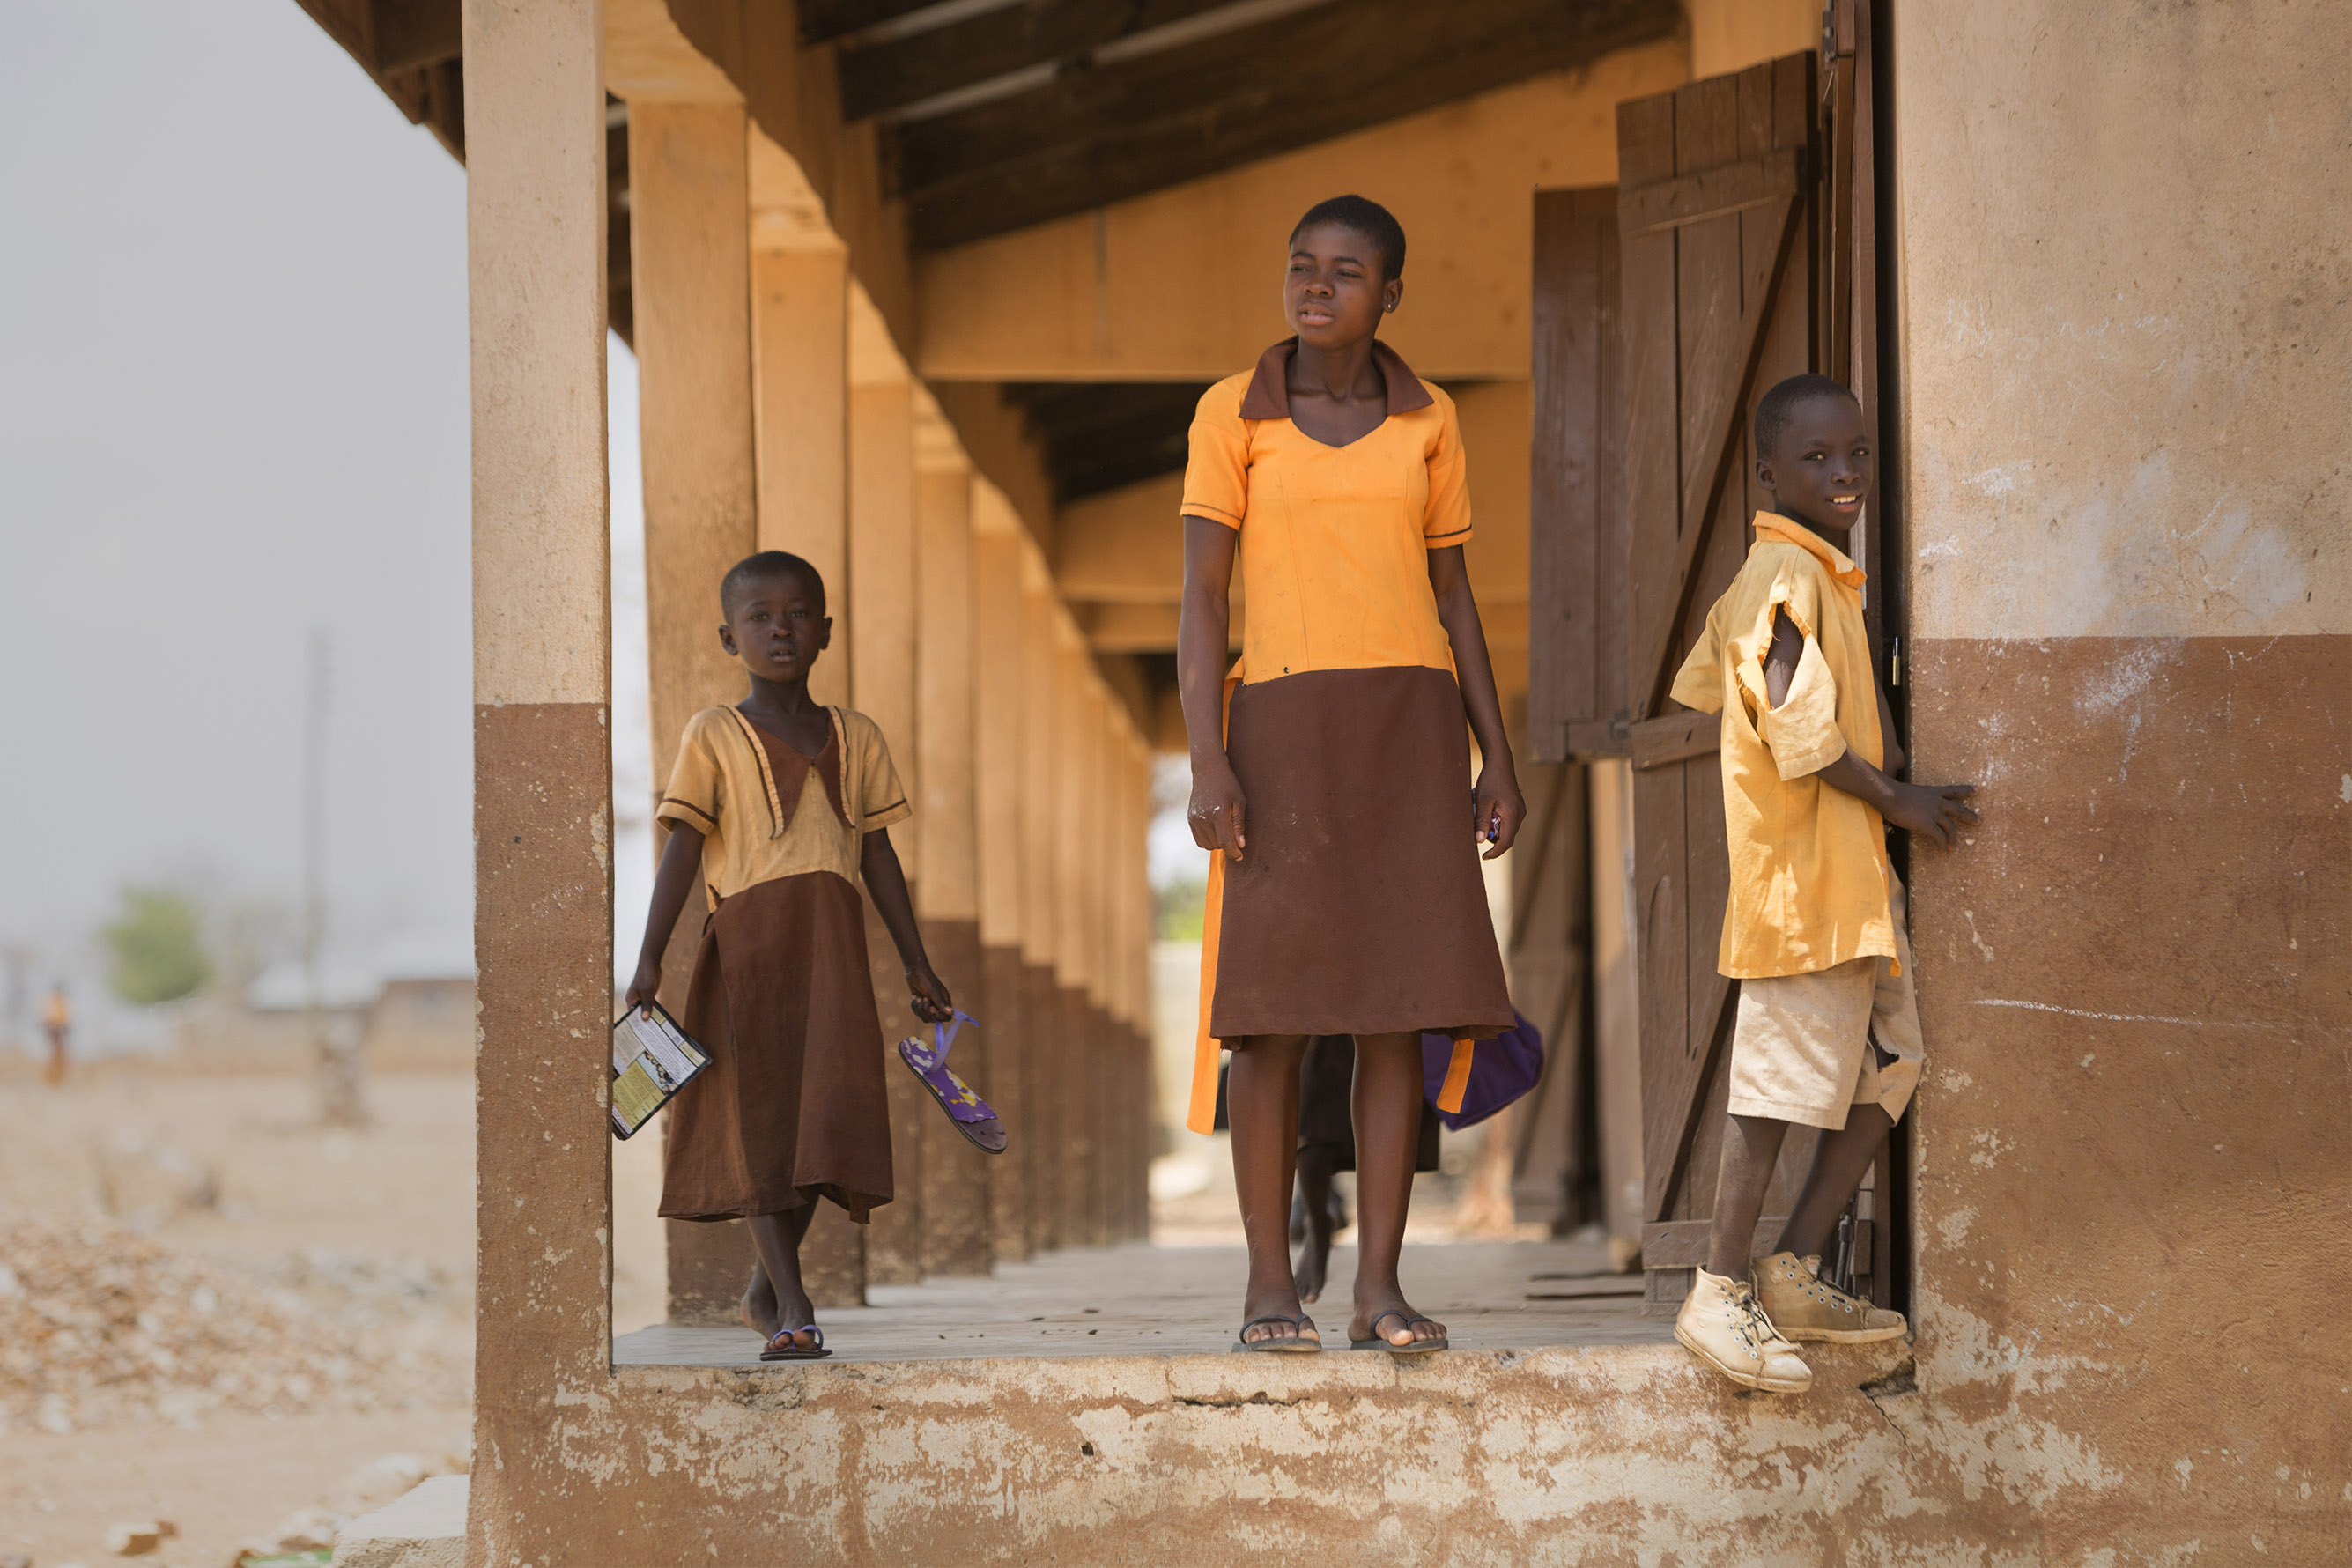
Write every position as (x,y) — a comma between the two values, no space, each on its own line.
(1183,906)
(158,948)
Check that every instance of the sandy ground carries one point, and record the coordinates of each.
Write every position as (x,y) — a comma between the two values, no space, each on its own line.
(364,1237)
(369,1234)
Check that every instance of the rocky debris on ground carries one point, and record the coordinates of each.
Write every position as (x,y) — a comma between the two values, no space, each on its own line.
(144,1186)
(100,1325)
(314,1530)
(139,1540)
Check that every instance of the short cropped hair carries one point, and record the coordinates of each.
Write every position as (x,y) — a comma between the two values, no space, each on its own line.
(1360,214)
(1773,413)
(766,563)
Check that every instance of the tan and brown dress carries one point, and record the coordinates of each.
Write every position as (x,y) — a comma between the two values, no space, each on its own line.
(1358,907)
(793,1107)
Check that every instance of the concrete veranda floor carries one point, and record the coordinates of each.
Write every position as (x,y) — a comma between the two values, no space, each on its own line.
(1145,1300)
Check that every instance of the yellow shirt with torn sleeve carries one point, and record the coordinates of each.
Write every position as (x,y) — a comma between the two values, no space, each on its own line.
(1808,862)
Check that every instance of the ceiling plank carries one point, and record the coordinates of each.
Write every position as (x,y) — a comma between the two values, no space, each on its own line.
(878,78)
(1100,435)
(413,33)
(1100,135)
(823,20)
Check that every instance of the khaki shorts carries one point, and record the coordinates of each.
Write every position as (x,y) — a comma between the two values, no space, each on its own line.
(1806,1046)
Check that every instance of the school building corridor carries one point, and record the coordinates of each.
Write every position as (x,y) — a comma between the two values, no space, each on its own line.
(1495,1298)
(925,294)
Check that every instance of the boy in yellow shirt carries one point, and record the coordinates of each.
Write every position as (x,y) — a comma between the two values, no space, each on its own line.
(1828,1032)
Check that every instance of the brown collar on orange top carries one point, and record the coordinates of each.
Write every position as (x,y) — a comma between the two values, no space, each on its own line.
(1268,396)
(1772,525)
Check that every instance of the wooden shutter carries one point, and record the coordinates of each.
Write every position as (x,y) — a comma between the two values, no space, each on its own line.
(1576,631)
(1717,206)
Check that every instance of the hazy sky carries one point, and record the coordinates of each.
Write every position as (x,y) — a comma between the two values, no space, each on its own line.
(232,407)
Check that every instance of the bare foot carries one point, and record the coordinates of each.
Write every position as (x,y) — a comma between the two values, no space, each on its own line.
(1394,1322)
(1313,1270)
(758,1308)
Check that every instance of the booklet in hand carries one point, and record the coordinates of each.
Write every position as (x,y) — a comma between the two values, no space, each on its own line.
(652,1059)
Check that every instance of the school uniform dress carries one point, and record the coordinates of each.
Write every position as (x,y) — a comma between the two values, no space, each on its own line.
(793,1107)
(1813,930)
(1358,906)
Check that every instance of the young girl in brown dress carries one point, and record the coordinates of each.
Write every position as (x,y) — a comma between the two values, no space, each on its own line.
(779,805)
(1333,788)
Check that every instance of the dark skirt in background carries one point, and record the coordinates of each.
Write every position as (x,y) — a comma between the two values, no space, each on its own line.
(793,1106)
(1358,907)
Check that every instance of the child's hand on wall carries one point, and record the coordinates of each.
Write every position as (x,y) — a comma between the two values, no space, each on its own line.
(1930,811)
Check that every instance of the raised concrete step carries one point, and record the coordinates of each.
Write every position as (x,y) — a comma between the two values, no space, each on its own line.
(425,1528)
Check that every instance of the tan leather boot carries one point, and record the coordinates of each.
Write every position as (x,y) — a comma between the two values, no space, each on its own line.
(1723,1324)
(1806,1306)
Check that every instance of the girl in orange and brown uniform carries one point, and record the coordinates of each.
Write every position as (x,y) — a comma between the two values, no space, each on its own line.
(1345,897)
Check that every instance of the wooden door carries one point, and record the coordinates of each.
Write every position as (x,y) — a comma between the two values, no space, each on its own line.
(1576,491)
(1741,211)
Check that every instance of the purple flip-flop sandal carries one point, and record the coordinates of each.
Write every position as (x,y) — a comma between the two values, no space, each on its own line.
(970,1114)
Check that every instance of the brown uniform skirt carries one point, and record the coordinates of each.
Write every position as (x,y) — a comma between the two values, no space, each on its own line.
(793,1107)
(1357,908)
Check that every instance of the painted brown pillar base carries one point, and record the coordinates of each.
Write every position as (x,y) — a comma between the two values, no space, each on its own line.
(958,1237)
(710,1263)
(1081,1134)
(832,1258)
(542,940)
(1102,1096)
(1012,1178)
(1143,1147)
(894,1241)
(1045,1080)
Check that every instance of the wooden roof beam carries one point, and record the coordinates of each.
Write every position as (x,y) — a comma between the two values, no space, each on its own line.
(1098,135)
(878,78)
(824,20)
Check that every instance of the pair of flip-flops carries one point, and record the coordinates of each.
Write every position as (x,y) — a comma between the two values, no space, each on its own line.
(969,1112)
(1296,1342)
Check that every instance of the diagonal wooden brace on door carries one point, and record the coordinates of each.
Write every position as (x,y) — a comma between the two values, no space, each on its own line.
(1700,505)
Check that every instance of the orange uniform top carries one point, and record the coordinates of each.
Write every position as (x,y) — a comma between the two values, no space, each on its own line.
(1335,545)
(1809,873)
(1334,540)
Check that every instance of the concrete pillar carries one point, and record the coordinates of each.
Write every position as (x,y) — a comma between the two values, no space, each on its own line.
(800,393)
(543,742)
(1102,836)
(998,742)
(800,370)
(1041,922)
(958,1234)
(1109,1097)
(1081,862)
(879,610)
(689,264)
(1135,925)
(1073,951)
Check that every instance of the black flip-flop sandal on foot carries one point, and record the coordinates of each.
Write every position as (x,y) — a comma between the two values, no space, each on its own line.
(1283,1344)
(1418,1347)
(789,1352)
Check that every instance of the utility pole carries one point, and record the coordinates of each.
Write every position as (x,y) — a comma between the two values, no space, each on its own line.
(335,1046)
